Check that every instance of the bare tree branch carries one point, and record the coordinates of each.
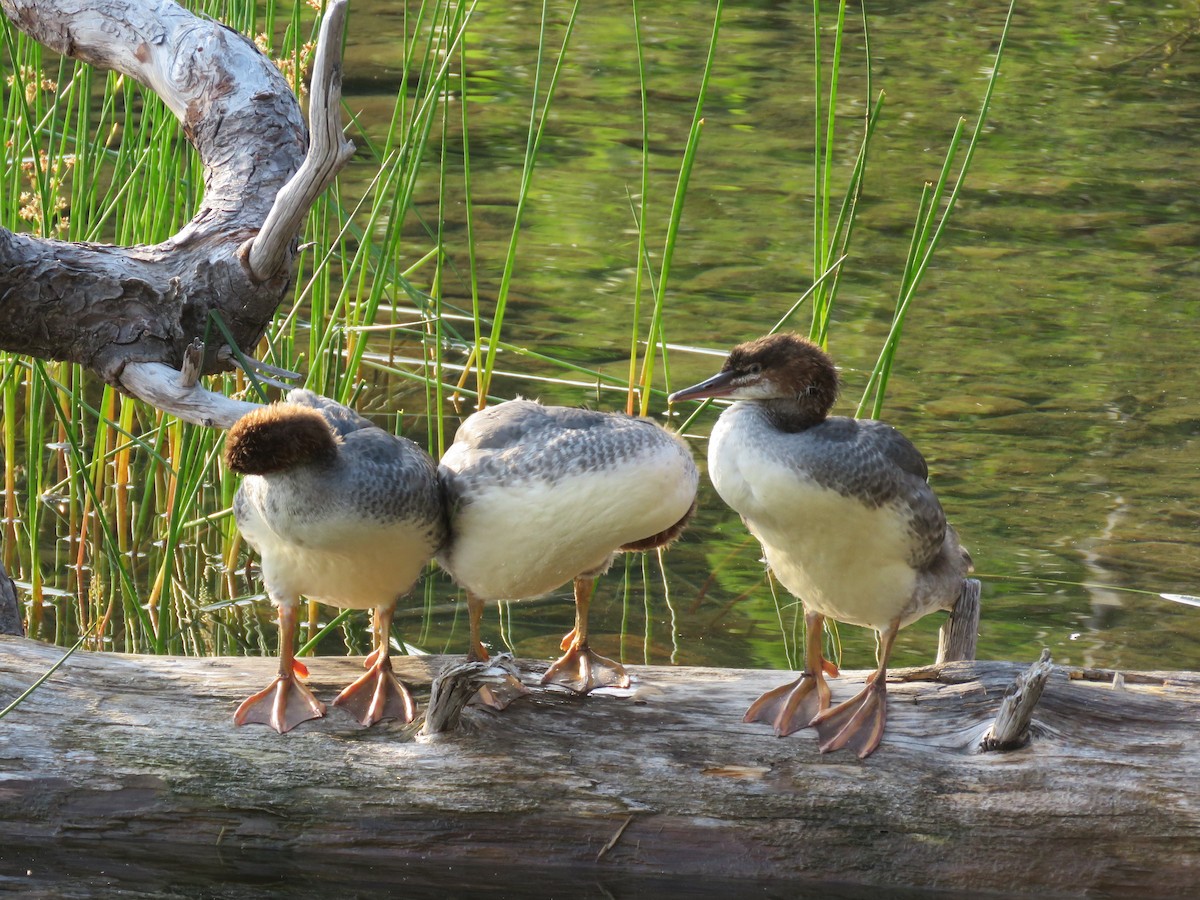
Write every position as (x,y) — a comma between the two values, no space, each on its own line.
(128,312)
(328,152)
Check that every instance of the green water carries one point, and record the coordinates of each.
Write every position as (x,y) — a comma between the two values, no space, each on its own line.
(1047,372)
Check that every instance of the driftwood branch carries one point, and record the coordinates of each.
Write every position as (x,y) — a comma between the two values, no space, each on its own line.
(130,313)
(328,152)
(139,756)
(165,388)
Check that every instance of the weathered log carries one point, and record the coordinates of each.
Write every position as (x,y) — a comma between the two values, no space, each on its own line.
(139,756)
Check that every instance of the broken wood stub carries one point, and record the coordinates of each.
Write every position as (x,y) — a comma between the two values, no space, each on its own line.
(1011,728)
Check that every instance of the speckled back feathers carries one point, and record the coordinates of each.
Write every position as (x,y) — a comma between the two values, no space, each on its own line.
(325,469)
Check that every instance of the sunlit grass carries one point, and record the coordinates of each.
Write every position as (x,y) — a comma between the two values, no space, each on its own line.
(116,517)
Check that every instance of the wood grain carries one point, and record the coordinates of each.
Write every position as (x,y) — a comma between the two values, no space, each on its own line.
(140,752)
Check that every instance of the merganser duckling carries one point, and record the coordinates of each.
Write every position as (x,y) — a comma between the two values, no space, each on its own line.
(344,513)
(845,516)
(542,495)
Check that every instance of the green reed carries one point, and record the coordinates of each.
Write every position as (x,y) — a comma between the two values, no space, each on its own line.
(933,212)
(654,342)
(116,518)
(538,114)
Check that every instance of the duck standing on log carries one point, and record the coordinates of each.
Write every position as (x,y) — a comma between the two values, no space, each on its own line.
(344,513)
(845,516)
(542,495)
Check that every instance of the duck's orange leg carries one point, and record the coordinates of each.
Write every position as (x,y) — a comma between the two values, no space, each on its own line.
(476,652)
(378,694)
(285,702)
(793,706)
(858,723)
(580,668)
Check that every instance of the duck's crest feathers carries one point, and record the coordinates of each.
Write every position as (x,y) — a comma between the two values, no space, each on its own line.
(279,437)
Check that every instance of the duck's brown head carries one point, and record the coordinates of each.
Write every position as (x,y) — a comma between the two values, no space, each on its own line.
(784,370)
(279,437)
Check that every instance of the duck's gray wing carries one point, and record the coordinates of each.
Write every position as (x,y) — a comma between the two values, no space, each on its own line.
(387,478)
(377,473)
(502,426)
(877,465)
(522,439)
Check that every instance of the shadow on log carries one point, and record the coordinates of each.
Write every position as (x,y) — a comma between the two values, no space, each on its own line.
(137,760)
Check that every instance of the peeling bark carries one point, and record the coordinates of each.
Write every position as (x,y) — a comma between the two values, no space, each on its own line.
(138,758)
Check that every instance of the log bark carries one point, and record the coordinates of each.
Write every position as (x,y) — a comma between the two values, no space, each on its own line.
(10,608)
(109,308)
(136,760)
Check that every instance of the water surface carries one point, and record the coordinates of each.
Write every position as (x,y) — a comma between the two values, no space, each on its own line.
(1047,372)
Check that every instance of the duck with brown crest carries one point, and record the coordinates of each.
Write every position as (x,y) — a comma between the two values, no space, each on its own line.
(344,513)
(844,513)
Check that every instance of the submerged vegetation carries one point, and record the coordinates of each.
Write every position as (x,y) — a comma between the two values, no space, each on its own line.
(117,524)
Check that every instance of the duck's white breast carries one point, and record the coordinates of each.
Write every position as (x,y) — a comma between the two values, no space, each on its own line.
(524,531)
(335,557)
(844,558)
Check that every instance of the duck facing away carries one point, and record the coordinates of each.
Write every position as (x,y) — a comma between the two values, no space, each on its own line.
(845,516)
(345,514)
(542,495)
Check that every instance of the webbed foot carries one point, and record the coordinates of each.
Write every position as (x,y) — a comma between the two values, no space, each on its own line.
(282,705)
(856,723)
(583,670)
(792,706)
(378,694)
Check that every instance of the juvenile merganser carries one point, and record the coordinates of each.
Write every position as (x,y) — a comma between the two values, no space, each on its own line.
(542,495)
(345,514)
(845,516)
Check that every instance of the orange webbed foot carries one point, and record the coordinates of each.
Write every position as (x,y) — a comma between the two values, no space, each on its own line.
(583,670)
(377,694)
(792,706)
(856,723)
(282,705)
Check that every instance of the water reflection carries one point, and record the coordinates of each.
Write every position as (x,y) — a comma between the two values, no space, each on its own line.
(1046,371)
